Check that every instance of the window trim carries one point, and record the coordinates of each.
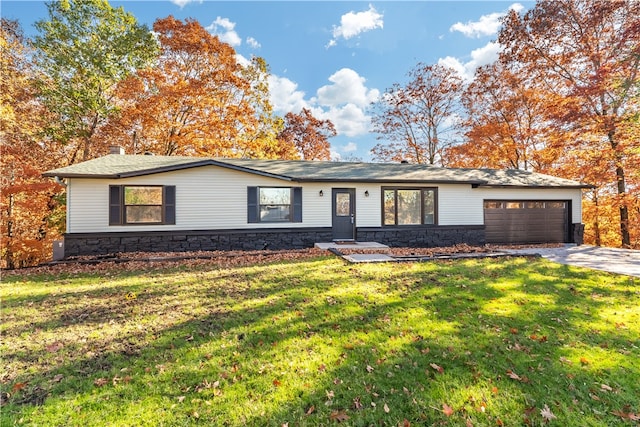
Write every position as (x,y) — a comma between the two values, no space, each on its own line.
(253,205)
(422,213)
(118,208)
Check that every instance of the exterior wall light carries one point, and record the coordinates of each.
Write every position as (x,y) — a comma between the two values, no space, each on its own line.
(321,193)
(366,193)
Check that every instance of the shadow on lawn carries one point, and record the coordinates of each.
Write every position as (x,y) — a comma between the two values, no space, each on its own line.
(392,327)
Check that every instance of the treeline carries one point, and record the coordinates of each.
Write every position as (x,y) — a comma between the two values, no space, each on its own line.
(562,99)
(93,76)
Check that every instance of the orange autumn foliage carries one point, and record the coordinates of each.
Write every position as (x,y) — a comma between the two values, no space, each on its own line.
(196,100)
(28,203)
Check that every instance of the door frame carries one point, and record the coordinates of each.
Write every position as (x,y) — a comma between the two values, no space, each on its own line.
(352,214)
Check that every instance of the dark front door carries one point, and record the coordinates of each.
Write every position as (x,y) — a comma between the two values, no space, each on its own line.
(344,213)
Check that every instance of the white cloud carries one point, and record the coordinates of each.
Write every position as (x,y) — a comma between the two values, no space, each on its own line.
(285,96)
(350,147)
(344,102)
(487,25)
(224,29)
(347,87)
(479,57)
(353,24)
(349,119)
(183,3)
(253,43)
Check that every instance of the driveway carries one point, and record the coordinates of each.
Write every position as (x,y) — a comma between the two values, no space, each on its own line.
(613,260)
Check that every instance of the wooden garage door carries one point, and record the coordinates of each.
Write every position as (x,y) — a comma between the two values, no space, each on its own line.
(516,221)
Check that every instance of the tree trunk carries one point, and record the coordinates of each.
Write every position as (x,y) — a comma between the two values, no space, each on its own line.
(622,190)
(624,210)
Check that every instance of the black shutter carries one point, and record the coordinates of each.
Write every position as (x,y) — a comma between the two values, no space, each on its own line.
(115,205)
(252,204)
(297,204)
(169,204)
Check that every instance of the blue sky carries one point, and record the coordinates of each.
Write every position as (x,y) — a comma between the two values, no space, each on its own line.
(332,57)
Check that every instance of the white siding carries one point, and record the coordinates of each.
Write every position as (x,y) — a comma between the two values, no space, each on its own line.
(464,205)
(211,197)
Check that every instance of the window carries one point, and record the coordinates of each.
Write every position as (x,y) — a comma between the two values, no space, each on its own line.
(409,206)
(141,205)
(274,204)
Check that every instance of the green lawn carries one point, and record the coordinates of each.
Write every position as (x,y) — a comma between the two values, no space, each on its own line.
(310,342)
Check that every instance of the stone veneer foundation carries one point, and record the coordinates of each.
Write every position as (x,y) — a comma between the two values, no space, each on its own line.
(94,244)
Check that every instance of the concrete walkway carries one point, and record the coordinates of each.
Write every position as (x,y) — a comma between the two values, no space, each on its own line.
(613,260)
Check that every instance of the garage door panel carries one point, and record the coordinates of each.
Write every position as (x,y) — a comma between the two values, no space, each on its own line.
(510,221)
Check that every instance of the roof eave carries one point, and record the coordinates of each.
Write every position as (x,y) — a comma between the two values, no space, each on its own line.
(576,187)
(388,181)
(79,175)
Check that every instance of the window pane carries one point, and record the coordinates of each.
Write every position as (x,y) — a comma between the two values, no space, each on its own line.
(493,205)
(143,195)
(343,204)
(535,205)
(275,196)
(429,206)
(408,207)
(514,205)
(274,213)
(389,207)
(556,205)
(143,214)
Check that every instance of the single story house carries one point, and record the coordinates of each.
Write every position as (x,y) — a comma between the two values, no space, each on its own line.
(125,203)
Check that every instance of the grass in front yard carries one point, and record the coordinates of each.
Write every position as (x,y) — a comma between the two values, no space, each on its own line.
(317,342)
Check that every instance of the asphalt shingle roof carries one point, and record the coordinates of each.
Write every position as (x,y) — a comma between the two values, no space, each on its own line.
(122,166)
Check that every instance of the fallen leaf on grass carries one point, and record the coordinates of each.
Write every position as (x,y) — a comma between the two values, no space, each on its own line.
(386,408)
(17,387)
(447,410)
(357,404)
(584,361)
(339,416)
(438,368)
(100,382)
(311,410)
(369,368)
(606,387)
(57,378)
(276,383)
(546,413)
(54,347)
(625,414)
(513,375)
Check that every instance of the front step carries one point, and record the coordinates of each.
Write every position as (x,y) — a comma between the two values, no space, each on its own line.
(343,244)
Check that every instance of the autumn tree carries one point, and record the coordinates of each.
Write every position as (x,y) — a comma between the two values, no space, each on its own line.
(504,123)
(584,55)
(417,120)
(196,99)
(30,206)
(309,135)
(83,50)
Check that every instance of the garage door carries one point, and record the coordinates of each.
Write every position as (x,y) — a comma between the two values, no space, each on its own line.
(516,221)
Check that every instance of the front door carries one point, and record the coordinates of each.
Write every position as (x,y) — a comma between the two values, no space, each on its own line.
(344,213)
